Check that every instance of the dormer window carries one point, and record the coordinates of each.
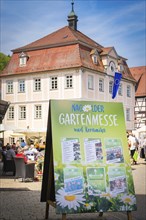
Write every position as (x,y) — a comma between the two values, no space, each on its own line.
(120,65)
(94,55)
(121,68)
(23,57)
(95,59)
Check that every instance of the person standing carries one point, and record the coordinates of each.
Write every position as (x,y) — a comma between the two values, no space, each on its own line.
(136,141)
(23,144)
(10,153)
(132,146)
(144,146)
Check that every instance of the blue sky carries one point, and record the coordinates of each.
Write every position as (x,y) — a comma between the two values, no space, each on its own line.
(118,23)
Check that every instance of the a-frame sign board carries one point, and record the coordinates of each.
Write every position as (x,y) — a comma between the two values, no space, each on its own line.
(87,164)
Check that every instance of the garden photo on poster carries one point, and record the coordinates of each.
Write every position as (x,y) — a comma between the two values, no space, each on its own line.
(92,170)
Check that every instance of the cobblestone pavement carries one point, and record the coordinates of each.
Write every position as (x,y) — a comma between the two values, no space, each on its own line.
(21,200)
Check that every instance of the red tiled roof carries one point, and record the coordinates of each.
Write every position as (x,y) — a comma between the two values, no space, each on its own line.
(53,59)
(106,50)
(139,73)
(126,72)
(63,36)
(64,48)
(87,61)
(46,59)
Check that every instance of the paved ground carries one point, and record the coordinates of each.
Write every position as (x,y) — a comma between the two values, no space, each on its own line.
(19,200)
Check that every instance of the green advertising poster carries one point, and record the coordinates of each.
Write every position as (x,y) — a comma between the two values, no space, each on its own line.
(92,170)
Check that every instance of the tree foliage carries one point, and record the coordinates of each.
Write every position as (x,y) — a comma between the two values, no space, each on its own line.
(4,59)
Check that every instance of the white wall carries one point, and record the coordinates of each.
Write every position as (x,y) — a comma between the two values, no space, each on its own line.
(79,91)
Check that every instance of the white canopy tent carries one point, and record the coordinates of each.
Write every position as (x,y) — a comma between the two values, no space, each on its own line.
(2,128)
(30,131)
(17,135)
(30,134)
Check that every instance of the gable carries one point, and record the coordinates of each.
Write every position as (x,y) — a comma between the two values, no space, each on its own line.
(113,53)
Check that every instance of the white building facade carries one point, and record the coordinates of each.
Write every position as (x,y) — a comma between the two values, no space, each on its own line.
(77,68)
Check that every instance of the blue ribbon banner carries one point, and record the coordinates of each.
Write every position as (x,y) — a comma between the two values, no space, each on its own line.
(117,79)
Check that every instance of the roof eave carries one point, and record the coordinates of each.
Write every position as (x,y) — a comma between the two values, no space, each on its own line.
(25,49)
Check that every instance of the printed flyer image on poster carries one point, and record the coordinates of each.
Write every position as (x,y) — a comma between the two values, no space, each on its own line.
(114,152)
(117,180)
(70,150)
(73,180)
(93,150)
(91,161)
(96,180)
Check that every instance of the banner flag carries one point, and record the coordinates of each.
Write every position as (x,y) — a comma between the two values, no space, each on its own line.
(117,80)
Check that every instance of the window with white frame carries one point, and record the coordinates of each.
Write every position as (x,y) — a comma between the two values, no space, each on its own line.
(54,82)
(90,82)
(21,85)
(121,68)
(23,57)
(94,54)
(95,59)
(69,81)
(111,87)
(23,61)
(9,85)
(120,90)
(11,140)
(37,84)
(22,112)
(128,91)
(101,85)
(38,111)
(128,114)
(11,113)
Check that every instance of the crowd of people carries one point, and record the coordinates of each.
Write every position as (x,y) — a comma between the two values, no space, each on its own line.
(31,154)
(34,153)
(137,148)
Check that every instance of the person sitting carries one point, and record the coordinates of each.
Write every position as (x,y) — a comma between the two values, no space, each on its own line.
(20,153)
(42,146)
(4,150)
(33,150)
